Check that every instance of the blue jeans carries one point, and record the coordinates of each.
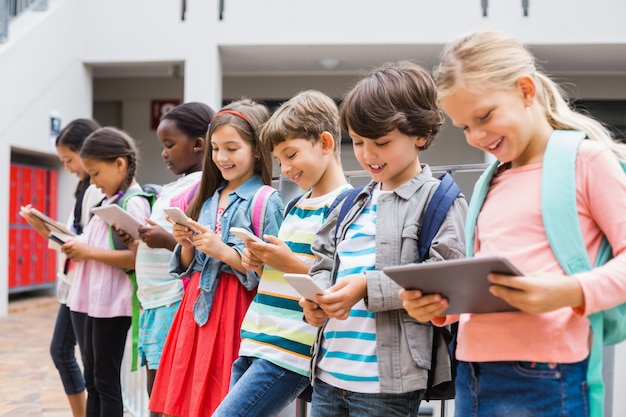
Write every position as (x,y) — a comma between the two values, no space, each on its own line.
(62,351)
(521,389)
(260,388)
(329,401)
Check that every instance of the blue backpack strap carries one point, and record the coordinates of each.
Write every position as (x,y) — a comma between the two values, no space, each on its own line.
(291,204)
(348,199)
(438,206)
(475,205)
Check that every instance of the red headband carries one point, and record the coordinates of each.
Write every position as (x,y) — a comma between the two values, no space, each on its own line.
(233,112)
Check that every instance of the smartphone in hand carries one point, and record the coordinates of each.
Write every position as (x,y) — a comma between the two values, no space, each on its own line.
(305,285)
(245,234)
(179,217)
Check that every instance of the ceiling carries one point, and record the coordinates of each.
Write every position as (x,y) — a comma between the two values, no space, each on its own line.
(605,59)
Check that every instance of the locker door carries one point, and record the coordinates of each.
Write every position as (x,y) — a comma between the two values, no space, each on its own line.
(38,258)
(38,250)
(25,191)
(53,190)
(38,189)
(25,275)
(14,199)
(51,255)
(14,265)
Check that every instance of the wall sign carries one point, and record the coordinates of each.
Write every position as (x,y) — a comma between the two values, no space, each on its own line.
(158,108)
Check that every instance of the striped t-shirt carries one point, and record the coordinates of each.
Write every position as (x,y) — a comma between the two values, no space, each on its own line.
(273,328)
(348,356)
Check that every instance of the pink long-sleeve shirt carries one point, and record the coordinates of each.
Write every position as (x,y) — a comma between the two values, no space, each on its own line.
(101,290)
(510,224)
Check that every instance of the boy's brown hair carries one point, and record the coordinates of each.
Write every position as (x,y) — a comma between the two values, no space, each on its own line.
(305,116)
(398,95)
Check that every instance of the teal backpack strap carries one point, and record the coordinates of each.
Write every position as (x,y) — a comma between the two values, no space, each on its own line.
(560,217)
(116,243)
(476,203)
(558,201)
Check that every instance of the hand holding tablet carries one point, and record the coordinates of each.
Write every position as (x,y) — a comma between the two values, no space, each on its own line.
(463,282)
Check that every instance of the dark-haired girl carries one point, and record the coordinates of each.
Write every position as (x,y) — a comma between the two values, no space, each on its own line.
(102,289)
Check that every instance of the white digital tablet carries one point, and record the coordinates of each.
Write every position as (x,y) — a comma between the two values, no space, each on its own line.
(245,234)
(117,217)
(463,282)
(51,224)
(305,285)
(180,217)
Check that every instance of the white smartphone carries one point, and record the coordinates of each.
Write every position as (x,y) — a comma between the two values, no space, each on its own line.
(245,234)
(180,218)
(305,285)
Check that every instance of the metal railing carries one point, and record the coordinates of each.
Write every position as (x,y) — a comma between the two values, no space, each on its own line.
(12,8)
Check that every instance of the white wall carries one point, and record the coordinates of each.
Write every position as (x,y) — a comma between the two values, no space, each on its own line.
(40,71)
(422,21)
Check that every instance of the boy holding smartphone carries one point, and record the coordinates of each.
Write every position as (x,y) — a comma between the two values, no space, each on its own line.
(274,358)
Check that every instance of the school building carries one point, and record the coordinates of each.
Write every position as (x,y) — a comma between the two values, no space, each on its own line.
(125,62)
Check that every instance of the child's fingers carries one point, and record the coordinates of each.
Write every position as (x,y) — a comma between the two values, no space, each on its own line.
(409,294)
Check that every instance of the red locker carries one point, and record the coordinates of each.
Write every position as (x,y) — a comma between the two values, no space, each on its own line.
(25,190)
(13,255)
(38,258)
(25,276)
(31,263)
(53,191)
(39,190)
(14,207)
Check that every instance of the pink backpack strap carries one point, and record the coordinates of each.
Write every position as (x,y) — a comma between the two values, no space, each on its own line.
(259,205)
(183,199)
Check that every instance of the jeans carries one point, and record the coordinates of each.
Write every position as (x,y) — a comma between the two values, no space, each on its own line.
(329,401)
(260,388)
(105,339)
(521,389)
(62,351)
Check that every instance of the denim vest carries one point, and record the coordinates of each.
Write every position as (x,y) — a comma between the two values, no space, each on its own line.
(237,214)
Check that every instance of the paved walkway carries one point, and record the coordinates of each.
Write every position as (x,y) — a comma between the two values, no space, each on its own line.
(29,383)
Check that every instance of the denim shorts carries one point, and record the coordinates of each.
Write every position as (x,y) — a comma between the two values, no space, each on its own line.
(154,324)
(329,401)
(521,389)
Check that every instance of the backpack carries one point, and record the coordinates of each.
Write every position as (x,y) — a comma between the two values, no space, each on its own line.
(259,207)
(446,193)
(560,220)
(149,192)
(330,208)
